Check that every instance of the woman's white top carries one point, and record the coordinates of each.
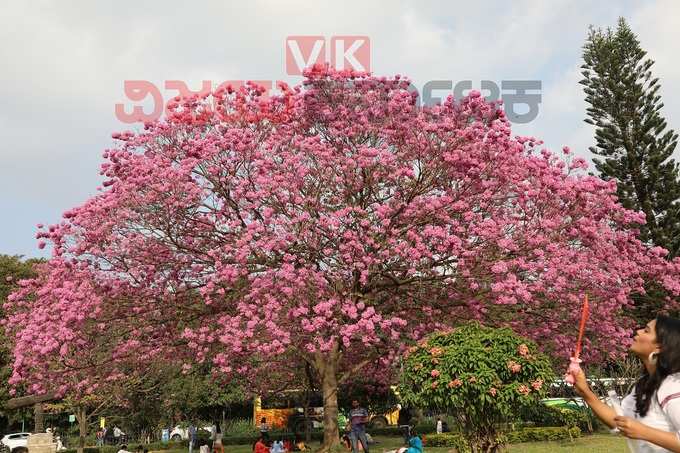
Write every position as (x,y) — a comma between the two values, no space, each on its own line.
(663,413)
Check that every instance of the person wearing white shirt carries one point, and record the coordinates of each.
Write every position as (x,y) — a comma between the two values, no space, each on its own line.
(277,447)
(651,411)
(117,434)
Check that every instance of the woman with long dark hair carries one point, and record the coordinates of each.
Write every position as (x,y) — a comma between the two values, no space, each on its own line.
(651,411)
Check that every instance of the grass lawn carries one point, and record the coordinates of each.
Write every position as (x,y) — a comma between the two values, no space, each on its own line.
(599,443)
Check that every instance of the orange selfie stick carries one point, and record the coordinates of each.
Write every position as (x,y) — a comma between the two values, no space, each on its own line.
(575,361)
(582,326)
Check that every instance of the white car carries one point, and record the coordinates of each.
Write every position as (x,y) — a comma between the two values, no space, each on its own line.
(178,433)
(15,443)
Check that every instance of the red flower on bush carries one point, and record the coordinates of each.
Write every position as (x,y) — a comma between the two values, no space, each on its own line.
(514,366)
(455,383)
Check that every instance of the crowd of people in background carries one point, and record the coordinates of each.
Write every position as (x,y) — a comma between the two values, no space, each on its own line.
(114,437)
(265,445)
(353,436)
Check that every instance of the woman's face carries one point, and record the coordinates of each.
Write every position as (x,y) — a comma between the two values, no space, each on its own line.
(644,342)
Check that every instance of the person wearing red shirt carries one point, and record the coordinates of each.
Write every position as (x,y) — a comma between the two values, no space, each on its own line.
(261,446)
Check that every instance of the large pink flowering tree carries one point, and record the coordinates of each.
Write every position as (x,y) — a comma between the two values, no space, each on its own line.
(333,223)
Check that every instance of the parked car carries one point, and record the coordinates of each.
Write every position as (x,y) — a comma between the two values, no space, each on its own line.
(15,443)
(179,433)
(565,403)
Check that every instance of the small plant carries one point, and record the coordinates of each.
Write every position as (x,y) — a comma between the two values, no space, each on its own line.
(239,427)
(481,375)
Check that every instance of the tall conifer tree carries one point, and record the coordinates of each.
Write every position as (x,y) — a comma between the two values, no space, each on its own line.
(632,141)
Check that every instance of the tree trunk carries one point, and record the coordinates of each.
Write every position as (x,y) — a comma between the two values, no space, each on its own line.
(39,418)
(81,416)
(308,428)
(308,391)
(327,366)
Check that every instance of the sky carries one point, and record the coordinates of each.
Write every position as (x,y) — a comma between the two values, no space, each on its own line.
(64,65)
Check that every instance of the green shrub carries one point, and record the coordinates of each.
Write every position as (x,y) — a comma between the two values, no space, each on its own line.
(424,428)
(85,450)
(481,375)
(131,446)
(458,441)
(239,427)
(449,440)
(160,445)
(542,434)
(542,415)
(387,431)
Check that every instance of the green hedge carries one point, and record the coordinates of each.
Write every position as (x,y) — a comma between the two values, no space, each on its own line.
(541,415)
(387,431)
(457,440)
(86,450)
(451,440)
(241,440)
(543,434)
(131,447)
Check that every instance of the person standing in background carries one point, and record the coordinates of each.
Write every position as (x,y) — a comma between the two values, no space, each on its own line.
(192,437)
(358,417)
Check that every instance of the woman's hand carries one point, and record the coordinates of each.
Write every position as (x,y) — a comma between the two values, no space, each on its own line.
(581,384)
(630,427)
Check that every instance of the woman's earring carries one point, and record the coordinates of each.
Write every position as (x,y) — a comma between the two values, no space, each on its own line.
(653,356)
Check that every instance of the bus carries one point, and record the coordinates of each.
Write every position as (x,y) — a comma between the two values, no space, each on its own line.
(286,412)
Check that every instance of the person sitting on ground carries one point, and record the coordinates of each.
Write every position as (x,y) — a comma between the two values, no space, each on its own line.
(415,444)
(261,446)
(123,449)
(345,441)
(300,445)
(60,445)
(277,446)
(404,423)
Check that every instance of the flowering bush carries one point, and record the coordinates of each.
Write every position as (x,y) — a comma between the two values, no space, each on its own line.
(482,376)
